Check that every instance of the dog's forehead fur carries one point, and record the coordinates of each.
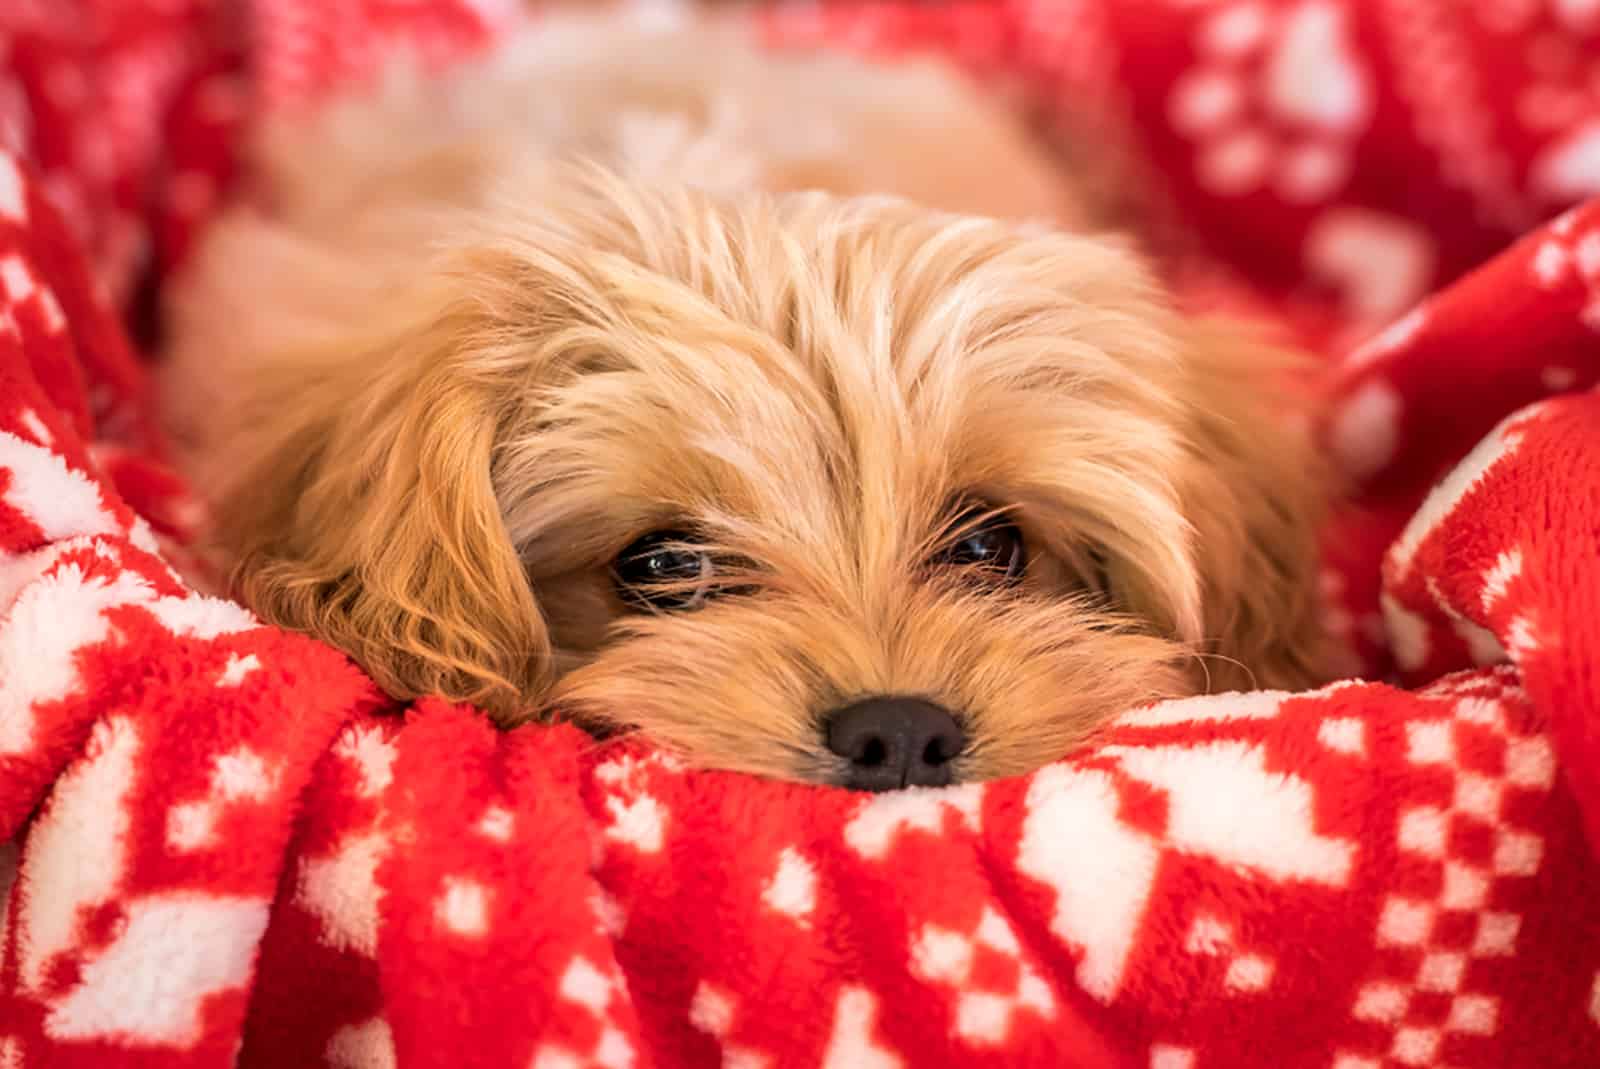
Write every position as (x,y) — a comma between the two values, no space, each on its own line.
(799,372)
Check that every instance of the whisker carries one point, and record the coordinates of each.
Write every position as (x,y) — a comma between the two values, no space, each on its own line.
(1204,657)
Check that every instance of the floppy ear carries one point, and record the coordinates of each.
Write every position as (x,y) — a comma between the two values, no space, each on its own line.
(367,517)
(1256,492)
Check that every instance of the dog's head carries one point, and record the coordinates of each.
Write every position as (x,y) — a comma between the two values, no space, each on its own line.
(846,491)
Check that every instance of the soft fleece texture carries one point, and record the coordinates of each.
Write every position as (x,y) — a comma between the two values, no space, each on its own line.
(227,848)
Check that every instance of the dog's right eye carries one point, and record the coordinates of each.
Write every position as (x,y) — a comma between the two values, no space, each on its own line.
(666,571)
(986,543)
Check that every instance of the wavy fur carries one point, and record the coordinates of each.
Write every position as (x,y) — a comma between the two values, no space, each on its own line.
(448,442)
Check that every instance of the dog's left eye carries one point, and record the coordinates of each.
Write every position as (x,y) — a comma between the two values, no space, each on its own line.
(665,570)
(982,539)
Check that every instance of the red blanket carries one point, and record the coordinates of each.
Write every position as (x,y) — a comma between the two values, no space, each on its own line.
(227,847)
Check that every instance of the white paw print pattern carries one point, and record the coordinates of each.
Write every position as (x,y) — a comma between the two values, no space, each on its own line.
(1440,953)
(239,777)
(1243,972)
(879,823)
(1571,257)
(370,755)
(636,818)
(339,887)
(1277,100)
(1561,93)
(1379,264)
(598,991)
(989,979)
(715,1011)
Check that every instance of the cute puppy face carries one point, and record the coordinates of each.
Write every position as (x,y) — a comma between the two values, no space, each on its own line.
(843,491)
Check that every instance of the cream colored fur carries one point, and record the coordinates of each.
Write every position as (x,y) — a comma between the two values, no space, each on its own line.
(468,339)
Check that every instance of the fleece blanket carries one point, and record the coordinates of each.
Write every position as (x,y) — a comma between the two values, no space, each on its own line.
(224,846)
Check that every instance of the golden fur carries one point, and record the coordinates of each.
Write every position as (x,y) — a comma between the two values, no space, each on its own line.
(437,449)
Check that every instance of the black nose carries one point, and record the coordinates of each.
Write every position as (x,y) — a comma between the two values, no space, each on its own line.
(895,742)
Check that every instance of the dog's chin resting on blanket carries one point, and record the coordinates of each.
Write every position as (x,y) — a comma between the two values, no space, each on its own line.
(549,385)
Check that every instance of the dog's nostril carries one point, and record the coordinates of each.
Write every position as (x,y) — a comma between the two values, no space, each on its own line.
(895,742)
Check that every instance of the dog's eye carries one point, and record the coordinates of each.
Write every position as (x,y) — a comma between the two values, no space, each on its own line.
(984,540)
(664,570)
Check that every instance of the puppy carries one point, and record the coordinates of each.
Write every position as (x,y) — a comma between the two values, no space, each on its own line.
(553,386)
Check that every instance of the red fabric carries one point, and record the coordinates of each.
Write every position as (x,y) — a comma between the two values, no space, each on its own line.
(226,846)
